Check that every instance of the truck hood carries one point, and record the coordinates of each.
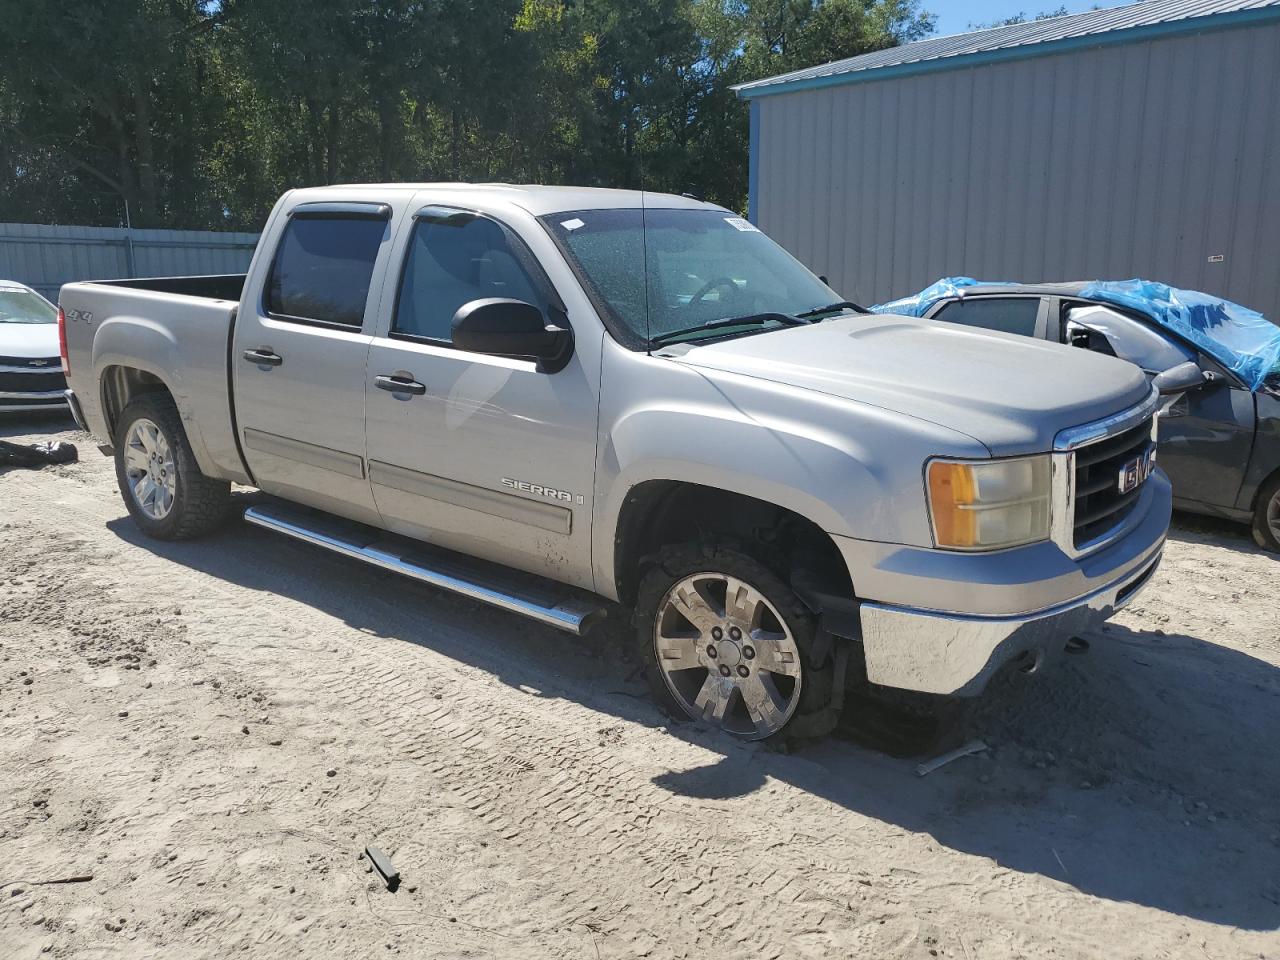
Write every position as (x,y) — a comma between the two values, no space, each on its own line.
(1010,393)
(29,340)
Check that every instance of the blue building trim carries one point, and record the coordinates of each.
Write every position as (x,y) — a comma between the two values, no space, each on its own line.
(1155,31)
(753,164)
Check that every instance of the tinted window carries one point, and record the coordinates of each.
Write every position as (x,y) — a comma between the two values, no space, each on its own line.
(454,259)
(322,269)
(1008,315)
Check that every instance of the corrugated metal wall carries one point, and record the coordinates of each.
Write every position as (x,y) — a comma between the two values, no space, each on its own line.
(1143,159)
(46,257)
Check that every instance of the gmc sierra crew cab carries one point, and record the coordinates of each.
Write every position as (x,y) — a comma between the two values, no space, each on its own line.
(569,401)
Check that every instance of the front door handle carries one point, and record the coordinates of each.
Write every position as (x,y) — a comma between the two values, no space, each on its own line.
(263,356)
(399,385)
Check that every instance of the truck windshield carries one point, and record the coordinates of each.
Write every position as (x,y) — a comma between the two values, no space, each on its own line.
(23,306)
(704,267)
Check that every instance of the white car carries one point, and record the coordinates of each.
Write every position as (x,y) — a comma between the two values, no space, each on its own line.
(31,376)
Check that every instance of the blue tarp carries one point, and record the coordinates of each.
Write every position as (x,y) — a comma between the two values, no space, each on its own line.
(1242,340)
(926,298)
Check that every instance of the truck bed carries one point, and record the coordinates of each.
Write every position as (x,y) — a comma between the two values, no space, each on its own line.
(223,286)
(175,330)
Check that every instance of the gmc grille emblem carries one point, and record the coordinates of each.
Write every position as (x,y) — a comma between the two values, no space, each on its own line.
(1136,471)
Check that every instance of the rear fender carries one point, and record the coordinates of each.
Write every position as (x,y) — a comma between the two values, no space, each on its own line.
(140,344)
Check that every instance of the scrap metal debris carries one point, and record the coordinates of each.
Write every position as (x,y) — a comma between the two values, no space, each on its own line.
(973,746)
(384,867)
(78,878)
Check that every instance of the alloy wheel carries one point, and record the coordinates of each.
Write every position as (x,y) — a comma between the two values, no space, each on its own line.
(149,467)
(727,655)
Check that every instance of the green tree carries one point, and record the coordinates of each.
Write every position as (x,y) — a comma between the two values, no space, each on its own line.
(105,101)
(199,113)
(785,35)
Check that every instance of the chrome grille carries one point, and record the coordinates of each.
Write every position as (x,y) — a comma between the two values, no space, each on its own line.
(33,382)
(1091,505)
(1099,500)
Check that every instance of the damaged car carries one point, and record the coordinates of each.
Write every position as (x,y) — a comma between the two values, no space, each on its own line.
(1216,363)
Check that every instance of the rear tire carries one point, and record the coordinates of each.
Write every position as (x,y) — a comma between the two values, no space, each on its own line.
(162,486)
(725,641)
(1266,516)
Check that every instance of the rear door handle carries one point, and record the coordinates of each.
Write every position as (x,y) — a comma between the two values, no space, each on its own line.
(399,385)
(263,357)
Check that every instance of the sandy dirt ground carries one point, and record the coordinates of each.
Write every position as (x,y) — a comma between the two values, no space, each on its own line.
(202,737)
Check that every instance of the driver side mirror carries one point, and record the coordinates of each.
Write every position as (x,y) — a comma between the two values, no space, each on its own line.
(1180,379)
(511,328)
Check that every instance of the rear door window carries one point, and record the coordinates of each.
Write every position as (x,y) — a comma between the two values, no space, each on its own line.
(1018,315)
(322,269)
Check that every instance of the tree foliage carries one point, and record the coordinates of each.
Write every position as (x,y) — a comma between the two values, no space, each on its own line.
(199,113)
(1021,17)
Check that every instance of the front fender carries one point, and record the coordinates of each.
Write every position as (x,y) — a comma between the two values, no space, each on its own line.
(1264,460)
(852,469)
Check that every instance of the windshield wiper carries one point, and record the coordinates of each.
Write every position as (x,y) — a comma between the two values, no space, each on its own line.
(749,320)
(832,308)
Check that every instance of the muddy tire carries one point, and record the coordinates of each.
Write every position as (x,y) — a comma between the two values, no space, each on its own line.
(1266,516)
(725,641)
(163,488)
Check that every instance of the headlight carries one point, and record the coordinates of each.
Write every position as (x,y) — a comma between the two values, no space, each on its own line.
(988,504)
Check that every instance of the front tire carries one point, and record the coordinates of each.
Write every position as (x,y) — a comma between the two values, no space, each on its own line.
(1266,516)
(162,486)
(725,641)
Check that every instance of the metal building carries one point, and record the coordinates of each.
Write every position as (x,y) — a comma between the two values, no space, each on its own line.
(45,257)
(1142,140)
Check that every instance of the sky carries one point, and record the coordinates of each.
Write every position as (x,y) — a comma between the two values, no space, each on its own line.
(954,16)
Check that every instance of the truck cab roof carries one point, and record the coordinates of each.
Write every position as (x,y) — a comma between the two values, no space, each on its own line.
(534,199)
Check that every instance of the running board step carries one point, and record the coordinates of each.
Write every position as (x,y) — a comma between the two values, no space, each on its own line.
(532,597)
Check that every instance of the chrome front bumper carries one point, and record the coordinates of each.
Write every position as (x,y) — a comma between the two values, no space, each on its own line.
(955,654)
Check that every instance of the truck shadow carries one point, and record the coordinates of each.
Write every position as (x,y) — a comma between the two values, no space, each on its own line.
(1198,528)
(28,423)
(1145,771)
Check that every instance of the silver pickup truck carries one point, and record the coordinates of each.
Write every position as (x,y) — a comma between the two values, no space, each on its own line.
(565,401)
